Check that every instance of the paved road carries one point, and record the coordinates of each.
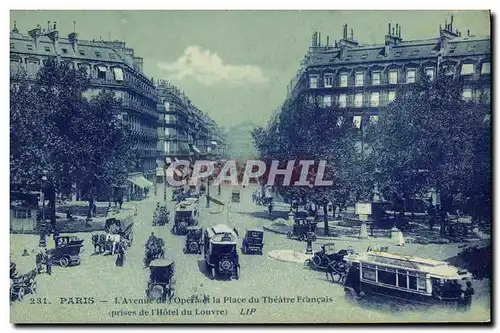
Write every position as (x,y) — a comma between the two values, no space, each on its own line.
(98,277)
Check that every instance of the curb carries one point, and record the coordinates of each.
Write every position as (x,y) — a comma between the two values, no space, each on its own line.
(271,229)
(272,255)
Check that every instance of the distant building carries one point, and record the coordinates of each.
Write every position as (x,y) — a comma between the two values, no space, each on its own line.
(185,131)
(111,65)
(363,78)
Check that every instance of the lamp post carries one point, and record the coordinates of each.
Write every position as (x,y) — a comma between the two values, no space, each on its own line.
(165,183)
(43,241)
(208,192)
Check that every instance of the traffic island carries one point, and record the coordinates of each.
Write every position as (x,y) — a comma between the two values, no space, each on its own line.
(289,256)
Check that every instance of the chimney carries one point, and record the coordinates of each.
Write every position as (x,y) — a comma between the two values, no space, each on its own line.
(138,63)
(319,39)
(35,34)
(327,41)
(15,27)
(392,38)
(73,39)
(346,42)
(54,36)
(468,33)
(352,34)
(447,33)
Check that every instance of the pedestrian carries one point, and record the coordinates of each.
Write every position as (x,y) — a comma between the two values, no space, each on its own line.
(48,261)
(25,253)
(468,293)
(401,239)
(38,261)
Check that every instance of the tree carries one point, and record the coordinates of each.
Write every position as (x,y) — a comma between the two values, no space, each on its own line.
(54,128)
(429,138)
(309,131)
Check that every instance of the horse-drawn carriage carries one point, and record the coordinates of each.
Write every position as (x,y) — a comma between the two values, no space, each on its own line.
(67,250)
(21,285)
(160,216)
(303,223)
(330,260)
(119,228)
(161,284)
(154,249)
(194,240)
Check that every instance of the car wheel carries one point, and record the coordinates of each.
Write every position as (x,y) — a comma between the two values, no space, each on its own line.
(302,238)
(316,260)
(307,262)
(64,262)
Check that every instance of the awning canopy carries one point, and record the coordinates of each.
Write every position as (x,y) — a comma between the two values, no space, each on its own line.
(140,181)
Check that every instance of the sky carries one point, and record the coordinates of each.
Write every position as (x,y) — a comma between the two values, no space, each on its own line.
(235,65)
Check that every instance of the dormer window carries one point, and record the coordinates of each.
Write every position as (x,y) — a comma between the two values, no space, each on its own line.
(98,54)
(111,55)
(397,54)
(410,76)
(472,48)
(430,73)
(343,80)
(328,80)
(486,68)
(313,81)
(47,49)
(64,51)
(360,78)
(467,69)
(82,52)
(30,47)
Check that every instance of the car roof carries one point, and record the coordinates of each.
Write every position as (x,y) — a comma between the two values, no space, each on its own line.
(194,227)
(161,262)
(255,229)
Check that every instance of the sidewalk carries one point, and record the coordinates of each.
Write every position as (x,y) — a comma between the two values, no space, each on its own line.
(289,256)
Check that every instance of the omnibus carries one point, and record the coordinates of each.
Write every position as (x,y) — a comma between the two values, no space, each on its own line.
(400,278)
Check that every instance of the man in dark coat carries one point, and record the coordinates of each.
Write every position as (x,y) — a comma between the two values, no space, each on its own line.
(49,260)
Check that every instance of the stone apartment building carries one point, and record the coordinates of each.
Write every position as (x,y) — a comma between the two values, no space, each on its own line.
(364,78)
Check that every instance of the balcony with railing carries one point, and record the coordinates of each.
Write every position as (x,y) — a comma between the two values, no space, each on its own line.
(139,107)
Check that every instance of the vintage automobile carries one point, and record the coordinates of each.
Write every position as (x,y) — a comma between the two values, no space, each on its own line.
(119,228)
(396,278)
(161,284)
(67,251)
(160,216)
(303,223)
(194,240)
(253,241)
(21,285)
(186,214)
(235,196)
(220,252)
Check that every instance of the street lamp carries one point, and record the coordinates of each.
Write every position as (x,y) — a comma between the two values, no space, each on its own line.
(43,241)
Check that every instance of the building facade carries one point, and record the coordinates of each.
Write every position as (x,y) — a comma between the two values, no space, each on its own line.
(186,132)
(110,65)
(362,79)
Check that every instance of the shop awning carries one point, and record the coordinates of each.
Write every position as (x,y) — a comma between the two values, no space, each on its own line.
(140,181)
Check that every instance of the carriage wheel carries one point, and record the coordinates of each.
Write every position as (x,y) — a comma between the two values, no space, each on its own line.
(212,273)
(64,262)
(307,262)
(20,293)
(316,261)
(302,238)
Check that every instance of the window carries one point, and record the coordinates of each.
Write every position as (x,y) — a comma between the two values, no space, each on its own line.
(111,55)
(392,96)
(486,68)
(358,100)
(82,52)
(387,277)
(467,94)
(359,79)
(343,80)
(328,80)
(101,72)
(430,73)
(167,105)
(30,47)
(15,65)
(467,69)
(402,279)
(356,121)
(393,77)
(64,51)
(342,100)
(327,100)
(47,49)
(313,81)
(376,78)
(373,119)
(32,67)
(369,273)
(410,76)
(98,54)
(374,99)
(118,72)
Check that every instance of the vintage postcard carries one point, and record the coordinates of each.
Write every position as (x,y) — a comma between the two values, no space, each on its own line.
(250,167)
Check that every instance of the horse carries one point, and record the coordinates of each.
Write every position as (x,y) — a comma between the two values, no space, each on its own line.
(337,266)
(155,249)
(95,242)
